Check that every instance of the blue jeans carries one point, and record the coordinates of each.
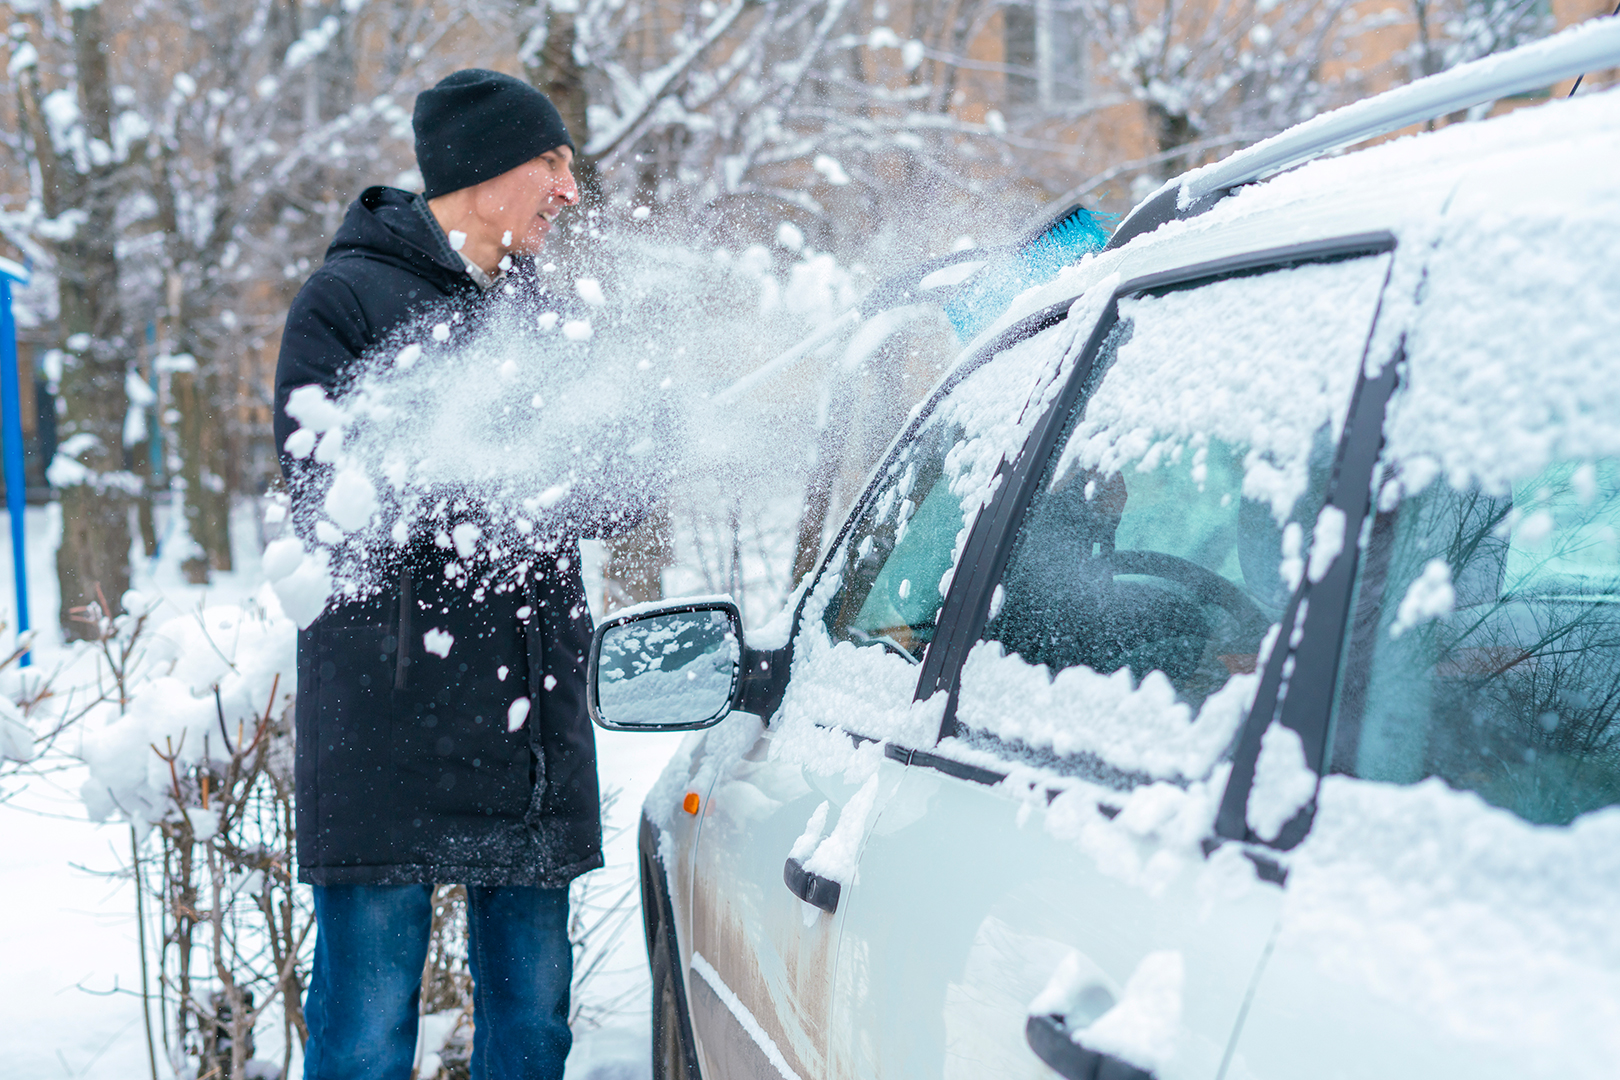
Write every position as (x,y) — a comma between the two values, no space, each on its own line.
(370,944)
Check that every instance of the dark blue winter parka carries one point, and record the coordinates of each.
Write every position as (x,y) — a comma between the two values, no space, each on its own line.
(414,764)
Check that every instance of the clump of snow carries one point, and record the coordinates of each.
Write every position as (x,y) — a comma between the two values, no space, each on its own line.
(807,841)
(1075,992)
(351,500)
(301,579)
(438,641)
(432,1033)
(313,410)
(1142,1028)
(199,682)
(1156,834)
(1327,541)
(774,632)
(866,690)
(465,538)
(1429,597)
(204,823)
(517,714)
(16,737)
(834,858)
(1283,782)
(1133,728)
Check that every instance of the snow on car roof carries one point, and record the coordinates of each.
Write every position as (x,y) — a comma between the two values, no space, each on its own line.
(1400,186)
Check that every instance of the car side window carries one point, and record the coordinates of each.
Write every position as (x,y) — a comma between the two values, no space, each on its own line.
(1171,527)
(900,550)
(1485,644)
(1168,569)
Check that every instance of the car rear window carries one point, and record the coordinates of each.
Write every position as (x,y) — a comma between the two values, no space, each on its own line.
(1485,648)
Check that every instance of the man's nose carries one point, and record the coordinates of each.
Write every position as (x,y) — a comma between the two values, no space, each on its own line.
(567,189)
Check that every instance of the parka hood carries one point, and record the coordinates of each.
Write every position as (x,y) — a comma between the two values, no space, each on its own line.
(394,226)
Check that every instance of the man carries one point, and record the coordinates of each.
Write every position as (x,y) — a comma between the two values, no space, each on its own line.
(407,772)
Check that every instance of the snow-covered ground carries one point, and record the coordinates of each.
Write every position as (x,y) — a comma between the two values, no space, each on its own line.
(69,1004)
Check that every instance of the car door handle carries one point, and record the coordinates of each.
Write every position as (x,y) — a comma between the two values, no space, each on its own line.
(810,887)
(1049,1037)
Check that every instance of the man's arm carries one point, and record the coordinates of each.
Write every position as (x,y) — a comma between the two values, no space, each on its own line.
(325,335)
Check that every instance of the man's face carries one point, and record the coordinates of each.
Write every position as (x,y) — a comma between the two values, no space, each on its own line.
(520,204)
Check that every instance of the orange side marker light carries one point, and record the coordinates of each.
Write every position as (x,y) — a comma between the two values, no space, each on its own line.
(690,803)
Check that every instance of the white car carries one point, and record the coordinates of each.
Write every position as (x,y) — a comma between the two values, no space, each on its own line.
(1220,676)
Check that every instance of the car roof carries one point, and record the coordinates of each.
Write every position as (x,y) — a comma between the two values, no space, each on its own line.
(1569,149)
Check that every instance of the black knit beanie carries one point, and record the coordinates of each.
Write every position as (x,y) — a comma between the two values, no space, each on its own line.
(477,124)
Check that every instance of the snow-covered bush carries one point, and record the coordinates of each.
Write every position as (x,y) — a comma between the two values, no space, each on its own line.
(191,742)
(21,746)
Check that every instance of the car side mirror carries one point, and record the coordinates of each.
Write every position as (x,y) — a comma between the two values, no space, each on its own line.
(676,666)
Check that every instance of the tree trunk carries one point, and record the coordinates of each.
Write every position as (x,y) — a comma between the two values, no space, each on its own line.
(558,74)
(831,449)
(634,573)
(202,487)
(1171,131)
(92,564)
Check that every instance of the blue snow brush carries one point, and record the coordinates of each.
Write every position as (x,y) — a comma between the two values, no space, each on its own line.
(1034,260)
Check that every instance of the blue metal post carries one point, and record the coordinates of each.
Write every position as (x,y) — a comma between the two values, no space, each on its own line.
(12,435)
(156,463)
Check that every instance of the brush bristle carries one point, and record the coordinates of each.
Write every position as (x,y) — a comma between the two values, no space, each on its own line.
(1034,261)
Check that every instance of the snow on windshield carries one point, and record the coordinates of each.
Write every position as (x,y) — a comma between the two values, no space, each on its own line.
(997,406)
(867,687)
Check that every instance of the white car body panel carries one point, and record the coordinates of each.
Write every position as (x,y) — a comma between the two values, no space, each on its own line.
(956,869)
(771,949)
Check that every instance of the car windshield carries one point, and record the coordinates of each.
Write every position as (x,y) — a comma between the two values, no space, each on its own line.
(1486,644)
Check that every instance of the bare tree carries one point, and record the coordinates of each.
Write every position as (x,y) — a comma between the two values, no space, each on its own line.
(183,176)
(79,161)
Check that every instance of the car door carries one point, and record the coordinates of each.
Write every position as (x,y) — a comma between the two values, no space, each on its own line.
(1041,894)
(805,787)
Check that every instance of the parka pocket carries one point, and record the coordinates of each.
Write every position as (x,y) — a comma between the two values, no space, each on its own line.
(457,763)
(352,668)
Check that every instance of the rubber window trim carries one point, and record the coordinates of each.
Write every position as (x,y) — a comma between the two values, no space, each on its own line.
(1303,700)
